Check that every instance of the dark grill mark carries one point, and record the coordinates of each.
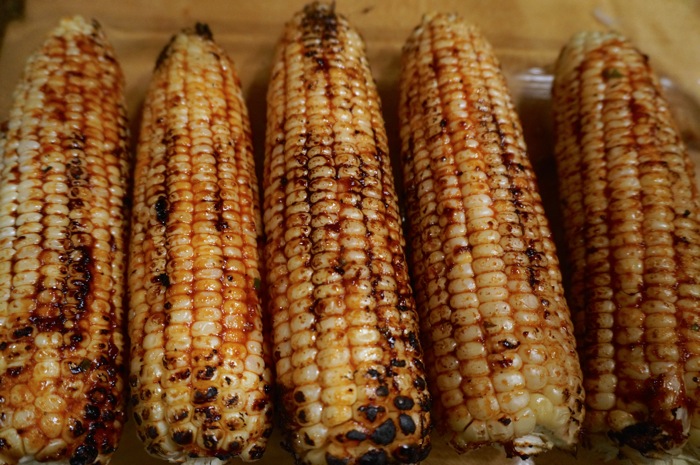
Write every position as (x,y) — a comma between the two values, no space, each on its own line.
(162,210)
(208,396)
(85,454)
(22,332)
(373,457)
(406,424)
(384,434)
(183,437)
(382,391)
(407,453)
(403,403)
(162,279)
(371,411)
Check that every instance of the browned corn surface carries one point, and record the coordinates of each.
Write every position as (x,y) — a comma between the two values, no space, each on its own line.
(345,334)
(200,375)
(63,171)
(499,343)
(632,211)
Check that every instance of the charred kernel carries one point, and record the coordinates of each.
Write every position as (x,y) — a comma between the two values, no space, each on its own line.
(92,412)
(163,279)
(426,404)
(504,421)
(22,332)
(384,434)
(152,432)
(210,441)
(406,453)
(373,457)
(371,411)
(398,363)
(419,383)
(333,460)
(84,454)
(256,452)
(161,208)
(372,373)
(299,397)
(406,424)
(382,391)
(403,403)
(183,437)
(355,435)
(207,396)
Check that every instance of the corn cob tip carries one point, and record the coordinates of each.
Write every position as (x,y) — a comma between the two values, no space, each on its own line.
(201,30)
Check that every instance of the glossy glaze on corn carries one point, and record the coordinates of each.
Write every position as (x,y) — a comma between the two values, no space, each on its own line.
(63,176)
(345,331)
(499,342)
(631,207)
(200,375)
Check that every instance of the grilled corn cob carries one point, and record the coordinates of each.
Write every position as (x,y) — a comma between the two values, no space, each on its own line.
(63,174)
(500,349)
(345,335)
(631,211)
(200,374)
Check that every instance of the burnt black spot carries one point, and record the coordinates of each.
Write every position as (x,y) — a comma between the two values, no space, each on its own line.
(163,279)
(413,340)
(398,363)
(183,437)
(355,435)
(256,452)
(299,397)
(443,123)
(92,412)
(382,391)
(203,31)
(206,373)
(426,404)
(162,210)
(259,404)
(14,371)
(371,411)
(403,403)
(509,344)
(3,345)
(384,434)
(308,441)
(207,396)
(504,421)
(84,455)
(152,432)
(210,413)
(406,423)
(210,441)
(419,383)
(407,453)
(372,373)
(373,457)
(22,332)
(167,305)
(686,214)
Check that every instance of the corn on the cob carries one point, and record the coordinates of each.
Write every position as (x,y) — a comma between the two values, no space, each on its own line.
(200,373)
(344,325)
(499,342)
(631,210)
(63,175)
